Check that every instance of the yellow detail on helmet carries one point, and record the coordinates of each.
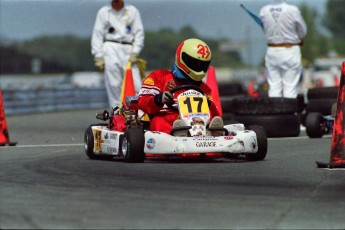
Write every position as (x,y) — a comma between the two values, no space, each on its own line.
(193,57)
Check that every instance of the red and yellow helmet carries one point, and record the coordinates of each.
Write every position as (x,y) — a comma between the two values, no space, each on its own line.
(193,57)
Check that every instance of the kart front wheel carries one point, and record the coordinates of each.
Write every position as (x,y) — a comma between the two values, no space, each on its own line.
(261,138)
(132,146)
(314,125)
(89,145)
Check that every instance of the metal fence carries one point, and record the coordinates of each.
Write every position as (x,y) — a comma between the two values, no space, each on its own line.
(20,101)
(30,93)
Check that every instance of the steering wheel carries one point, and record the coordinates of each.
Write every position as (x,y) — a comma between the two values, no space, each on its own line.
(185,87)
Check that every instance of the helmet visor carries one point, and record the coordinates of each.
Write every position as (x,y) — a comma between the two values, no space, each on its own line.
(195,64)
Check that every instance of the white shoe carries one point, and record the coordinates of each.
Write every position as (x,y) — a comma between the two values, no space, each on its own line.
(217,122)
(180,133)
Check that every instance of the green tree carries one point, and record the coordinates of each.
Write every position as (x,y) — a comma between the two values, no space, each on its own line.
(335,17)
(334,20)
(67,50)
(160,46)
(160,49)
(310,49)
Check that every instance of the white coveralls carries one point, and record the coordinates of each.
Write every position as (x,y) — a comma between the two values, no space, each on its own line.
(117,34)
(284,29)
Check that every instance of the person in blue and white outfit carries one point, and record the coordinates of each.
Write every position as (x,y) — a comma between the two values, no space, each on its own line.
(284,30)
(117,37)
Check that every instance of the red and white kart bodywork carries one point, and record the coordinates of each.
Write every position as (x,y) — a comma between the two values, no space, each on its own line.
(126,135)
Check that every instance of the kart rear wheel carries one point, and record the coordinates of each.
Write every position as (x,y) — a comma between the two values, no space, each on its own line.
(314,123)
(132,146)
(261,138)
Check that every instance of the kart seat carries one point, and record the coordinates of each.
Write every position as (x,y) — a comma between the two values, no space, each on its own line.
(132,105)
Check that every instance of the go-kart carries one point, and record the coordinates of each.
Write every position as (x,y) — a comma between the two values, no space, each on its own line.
(126,134)
(318,125)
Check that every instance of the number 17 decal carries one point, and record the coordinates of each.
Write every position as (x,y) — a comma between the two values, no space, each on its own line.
(194,105)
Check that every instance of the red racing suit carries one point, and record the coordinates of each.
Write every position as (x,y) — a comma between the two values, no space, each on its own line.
(162,118)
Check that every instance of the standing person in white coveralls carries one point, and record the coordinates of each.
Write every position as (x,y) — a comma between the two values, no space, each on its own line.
(284,30)
(117,37)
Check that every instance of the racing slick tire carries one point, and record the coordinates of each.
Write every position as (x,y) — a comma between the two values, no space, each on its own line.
(226,103)
(89,144)
(230,89)
(324,92)
(323,106)
(265,106)
(132,146)
(314,125)
(261,142)
(284,125)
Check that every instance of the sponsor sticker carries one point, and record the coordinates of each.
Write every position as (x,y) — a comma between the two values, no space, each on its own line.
(156,132)
(112,150)
(188,93)
(113,136)
(205,144)
(150,144)
(98,140)
(202,138)
(198,115)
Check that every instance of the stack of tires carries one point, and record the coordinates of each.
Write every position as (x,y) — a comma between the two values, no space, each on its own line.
(227,91)
(321,102)
(279,116)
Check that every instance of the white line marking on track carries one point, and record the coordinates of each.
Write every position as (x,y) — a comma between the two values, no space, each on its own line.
(335,169)
(296,138)
(48,145)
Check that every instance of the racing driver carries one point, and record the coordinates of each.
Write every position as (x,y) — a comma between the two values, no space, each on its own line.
(192,59)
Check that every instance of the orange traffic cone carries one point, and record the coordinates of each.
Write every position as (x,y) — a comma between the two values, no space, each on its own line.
(337,159)
(4,137)
(211,81)
(128,88)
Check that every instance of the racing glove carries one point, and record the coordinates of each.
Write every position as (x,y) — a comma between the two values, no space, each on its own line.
(164,98)
(133,57)
(99,63)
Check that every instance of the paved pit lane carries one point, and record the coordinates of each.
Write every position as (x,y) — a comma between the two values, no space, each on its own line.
(47,181)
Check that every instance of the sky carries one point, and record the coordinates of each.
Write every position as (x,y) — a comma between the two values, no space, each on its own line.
(27,19)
